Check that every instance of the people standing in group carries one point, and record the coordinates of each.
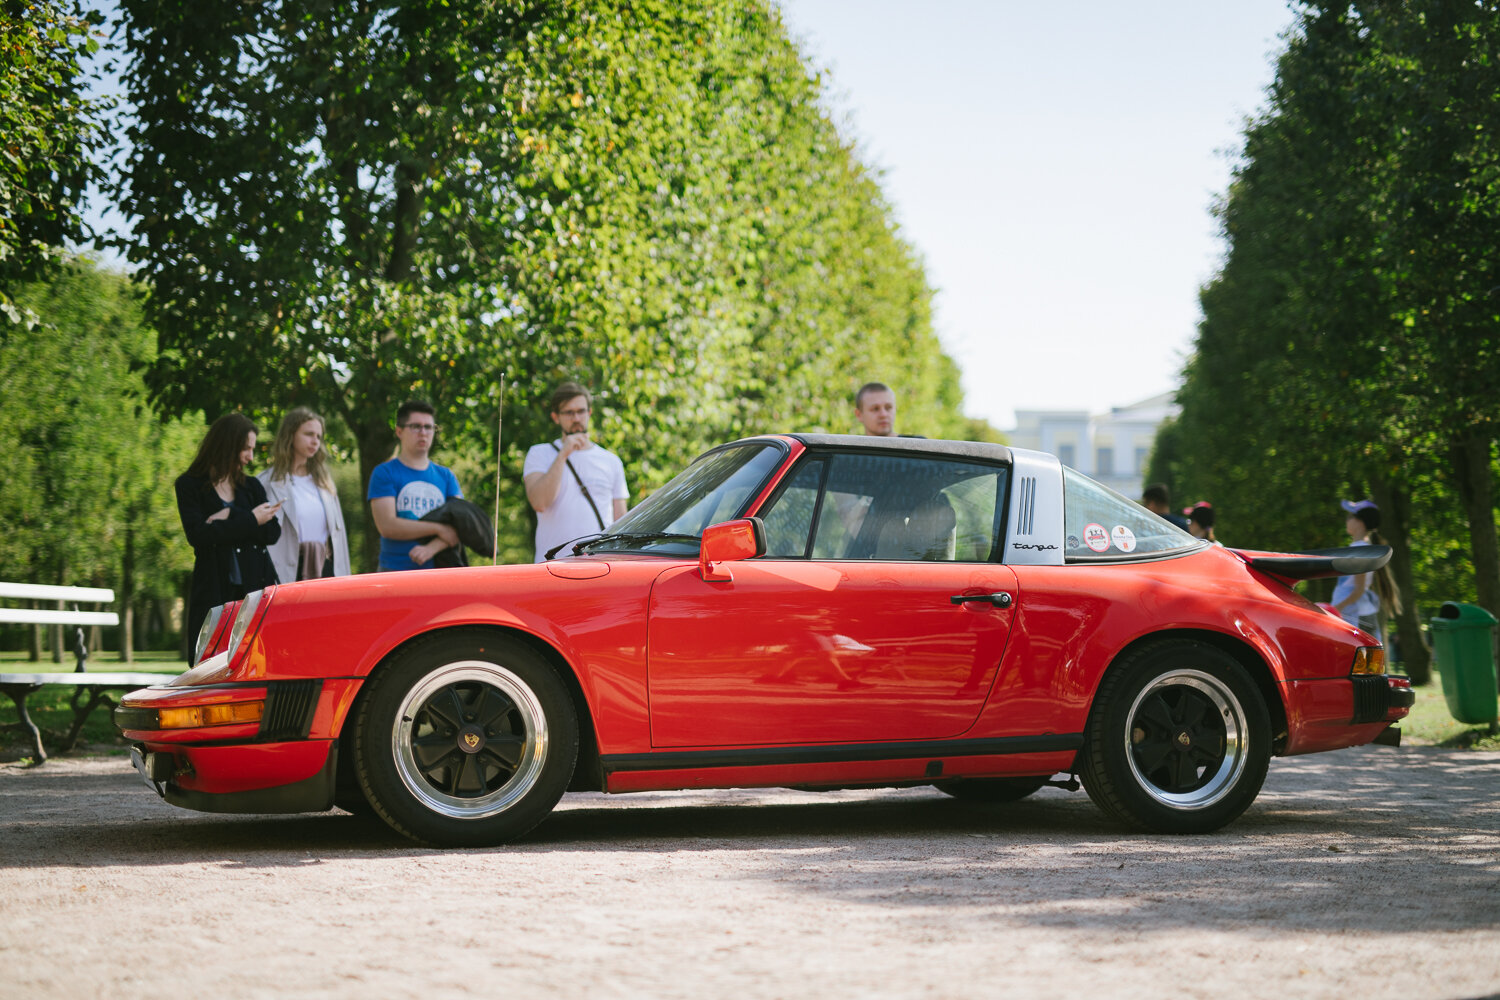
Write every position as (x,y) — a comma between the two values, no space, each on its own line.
(1365,599)
(227,519)
(1158,500)
(1200,521)
(576,487)
(313,542)
(875,409)
(408,486)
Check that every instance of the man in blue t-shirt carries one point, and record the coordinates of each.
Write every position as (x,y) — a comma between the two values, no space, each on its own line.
(408,486)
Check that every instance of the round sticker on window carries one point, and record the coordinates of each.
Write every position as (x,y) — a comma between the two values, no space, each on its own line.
(1123,538)
(1095,537)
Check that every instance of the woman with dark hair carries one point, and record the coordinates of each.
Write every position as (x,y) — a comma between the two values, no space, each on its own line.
(1365,599)
(227,520)
(313,540)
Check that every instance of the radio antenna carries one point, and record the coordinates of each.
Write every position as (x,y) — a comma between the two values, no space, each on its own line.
(499,451)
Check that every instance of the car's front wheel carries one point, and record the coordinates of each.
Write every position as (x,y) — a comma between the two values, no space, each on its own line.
(1178,739)
(465,740)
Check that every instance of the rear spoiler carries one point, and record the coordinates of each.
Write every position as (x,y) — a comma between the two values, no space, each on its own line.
(1318,563)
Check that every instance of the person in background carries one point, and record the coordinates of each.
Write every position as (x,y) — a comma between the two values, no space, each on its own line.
(408,486)
(1200,521)
(875,409)
(313,542)
(576,487)
(1158,500)
(1365,599)
(227,519)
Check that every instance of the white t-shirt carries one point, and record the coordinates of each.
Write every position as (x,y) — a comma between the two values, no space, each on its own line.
(570,517)
(312,520)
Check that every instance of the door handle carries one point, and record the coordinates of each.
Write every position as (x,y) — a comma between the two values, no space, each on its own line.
(1001,600)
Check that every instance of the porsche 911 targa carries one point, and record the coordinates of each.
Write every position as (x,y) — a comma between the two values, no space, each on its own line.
(802,610)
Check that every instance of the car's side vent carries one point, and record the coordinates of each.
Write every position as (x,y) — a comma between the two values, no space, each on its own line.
(1026,508)
(289,709)
(1369,699)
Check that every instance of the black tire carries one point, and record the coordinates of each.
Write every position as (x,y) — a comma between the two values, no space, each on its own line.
(1178,739)
(990,789)
(466,740)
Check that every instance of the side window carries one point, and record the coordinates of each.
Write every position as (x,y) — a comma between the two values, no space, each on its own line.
(888,507)
(1102,526)
(789,520)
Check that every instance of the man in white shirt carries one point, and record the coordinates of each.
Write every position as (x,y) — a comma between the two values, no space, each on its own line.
(576,487)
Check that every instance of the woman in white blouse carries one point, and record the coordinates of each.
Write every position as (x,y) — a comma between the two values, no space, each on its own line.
(313,542)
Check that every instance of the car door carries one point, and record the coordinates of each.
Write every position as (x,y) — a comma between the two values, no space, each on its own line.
(876,614)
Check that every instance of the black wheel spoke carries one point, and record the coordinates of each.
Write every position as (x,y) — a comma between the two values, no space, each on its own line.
(506,750)
(468,779)
(441,764)
(1154,711)
(1191,709)
(491,707)
(430,750)
(447,707)
(1149,754)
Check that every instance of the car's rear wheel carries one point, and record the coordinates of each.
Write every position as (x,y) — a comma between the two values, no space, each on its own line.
(1178,739)
(466,740)
(990,789)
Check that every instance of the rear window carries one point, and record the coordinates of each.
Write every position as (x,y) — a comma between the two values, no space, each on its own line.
(1102,526)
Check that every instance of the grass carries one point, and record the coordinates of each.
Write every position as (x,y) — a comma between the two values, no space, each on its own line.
(1430,723)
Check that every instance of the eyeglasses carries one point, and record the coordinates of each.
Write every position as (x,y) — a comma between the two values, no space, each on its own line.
(421,428)
(573,413)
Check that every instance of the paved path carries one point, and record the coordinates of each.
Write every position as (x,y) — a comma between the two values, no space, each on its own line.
(1370,873)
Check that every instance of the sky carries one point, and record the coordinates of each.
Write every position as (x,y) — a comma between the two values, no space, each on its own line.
(1055,166)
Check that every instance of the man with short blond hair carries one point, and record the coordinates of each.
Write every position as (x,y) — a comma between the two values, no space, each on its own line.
(576,487)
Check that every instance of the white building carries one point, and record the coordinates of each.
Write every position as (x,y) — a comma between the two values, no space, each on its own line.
(1111,447)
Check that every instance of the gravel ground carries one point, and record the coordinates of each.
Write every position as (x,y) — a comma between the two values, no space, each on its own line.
(1366,873)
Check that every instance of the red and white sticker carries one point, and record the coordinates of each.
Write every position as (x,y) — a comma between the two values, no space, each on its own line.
(1095,537)
(1123,538)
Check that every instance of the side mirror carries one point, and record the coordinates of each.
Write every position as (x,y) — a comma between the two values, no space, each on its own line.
(727,542)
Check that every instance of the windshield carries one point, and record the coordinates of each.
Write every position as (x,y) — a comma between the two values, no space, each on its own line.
(717,487)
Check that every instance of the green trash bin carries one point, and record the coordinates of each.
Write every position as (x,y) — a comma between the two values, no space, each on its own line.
(1462,646)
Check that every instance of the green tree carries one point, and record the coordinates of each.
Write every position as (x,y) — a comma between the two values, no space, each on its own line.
(346,205)
(88,485)
(48,133)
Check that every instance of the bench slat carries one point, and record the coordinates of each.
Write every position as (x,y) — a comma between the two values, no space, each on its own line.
(43,616)
(44,592)
(88,679)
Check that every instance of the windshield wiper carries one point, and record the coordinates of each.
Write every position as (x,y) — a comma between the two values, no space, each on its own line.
(635,536)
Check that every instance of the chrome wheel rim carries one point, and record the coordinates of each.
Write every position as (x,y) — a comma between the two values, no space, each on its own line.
(1187,739)
(469,740)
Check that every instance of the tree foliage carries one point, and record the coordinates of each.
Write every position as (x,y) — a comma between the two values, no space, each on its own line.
(87,490)
(348,204)
(1351,335)
(48,132)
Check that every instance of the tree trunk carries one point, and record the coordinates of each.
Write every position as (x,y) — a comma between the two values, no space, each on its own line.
(1395,507)
(374,448)
(1474,473)
(127,597)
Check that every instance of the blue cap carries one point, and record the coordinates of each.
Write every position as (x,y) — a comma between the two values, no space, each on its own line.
(1355,506)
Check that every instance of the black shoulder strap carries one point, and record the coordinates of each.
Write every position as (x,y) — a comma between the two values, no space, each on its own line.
(579,480)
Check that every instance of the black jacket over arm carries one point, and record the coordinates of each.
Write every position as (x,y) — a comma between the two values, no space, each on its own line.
(219,545)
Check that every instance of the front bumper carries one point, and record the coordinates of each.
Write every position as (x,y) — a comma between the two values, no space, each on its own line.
(260,778)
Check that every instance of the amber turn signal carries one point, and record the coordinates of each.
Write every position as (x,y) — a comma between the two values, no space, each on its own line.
(199,716)
(1369,660)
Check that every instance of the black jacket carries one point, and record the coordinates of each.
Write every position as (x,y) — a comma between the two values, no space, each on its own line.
(229,555)
(475,531)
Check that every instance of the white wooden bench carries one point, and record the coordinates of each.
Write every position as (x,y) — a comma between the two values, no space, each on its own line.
(90,690)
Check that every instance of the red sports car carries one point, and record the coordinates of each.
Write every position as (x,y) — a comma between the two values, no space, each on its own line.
(811,610)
